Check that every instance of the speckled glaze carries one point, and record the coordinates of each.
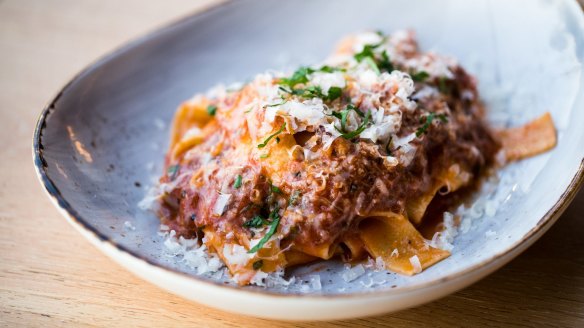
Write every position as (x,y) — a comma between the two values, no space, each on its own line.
(100,142)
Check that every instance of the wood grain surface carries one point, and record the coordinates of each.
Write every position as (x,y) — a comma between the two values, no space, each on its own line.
(51,276)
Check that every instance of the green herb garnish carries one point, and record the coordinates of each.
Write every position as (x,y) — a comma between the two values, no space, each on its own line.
(308,92)
(264,155)
(263,144)
(361,128)
(442,86)
(237,182)
(334,93)
(429,119)
(378,65)
(385,63)
(285,90)
(211,110)
(273,226)
(275,189)
(366,52)
(420,76)
(258,264)
(342,115)
(255,222)
(372,64)
(172,170)
(300,76)
(277,104)
(330,69)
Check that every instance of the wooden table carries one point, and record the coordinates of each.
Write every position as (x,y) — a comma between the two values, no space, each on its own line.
(51,276)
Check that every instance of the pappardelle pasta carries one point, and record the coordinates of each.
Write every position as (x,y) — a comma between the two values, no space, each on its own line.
(342,159)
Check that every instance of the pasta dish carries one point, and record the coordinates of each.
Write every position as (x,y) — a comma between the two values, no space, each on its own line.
(347,159)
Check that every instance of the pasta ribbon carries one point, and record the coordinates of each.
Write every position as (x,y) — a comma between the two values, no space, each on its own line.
(399,244)
(531,139)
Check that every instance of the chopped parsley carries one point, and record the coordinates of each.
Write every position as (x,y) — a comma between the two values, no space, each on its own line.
(275,189)
(263,144)
(249,110)
(277,104)
(420,76)
(255,222)
(361,128)
(286,90)
(334,93)
(342,115)
(366,52)
(172,170)
(300,76)
(385,63)
(275,220)
(237,183)
(372,64)
(211,110)
(428,121)
(308,92)
(330,69)
(264,155)
(258,264)
(368,55)
(442,86)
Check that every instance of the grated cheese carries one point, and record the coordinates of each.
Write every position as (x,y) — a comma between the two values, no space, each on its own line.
(444,239)
(309,112)
(128,225)
(236,254)
(415,261)
(490,233)
(315,283)
(195,256)
(221,203)
(327,80)
(350,274)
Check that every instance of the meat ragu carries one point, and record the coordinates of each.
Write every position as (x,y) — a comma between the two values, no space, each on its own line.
(340,159)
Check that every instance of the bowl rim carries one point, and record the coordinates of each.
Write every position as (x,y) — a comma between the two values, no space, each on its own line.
(73,217)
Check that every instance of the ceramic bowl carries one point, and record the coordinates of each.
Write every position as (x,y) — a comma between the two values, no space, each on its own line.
(102,139)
